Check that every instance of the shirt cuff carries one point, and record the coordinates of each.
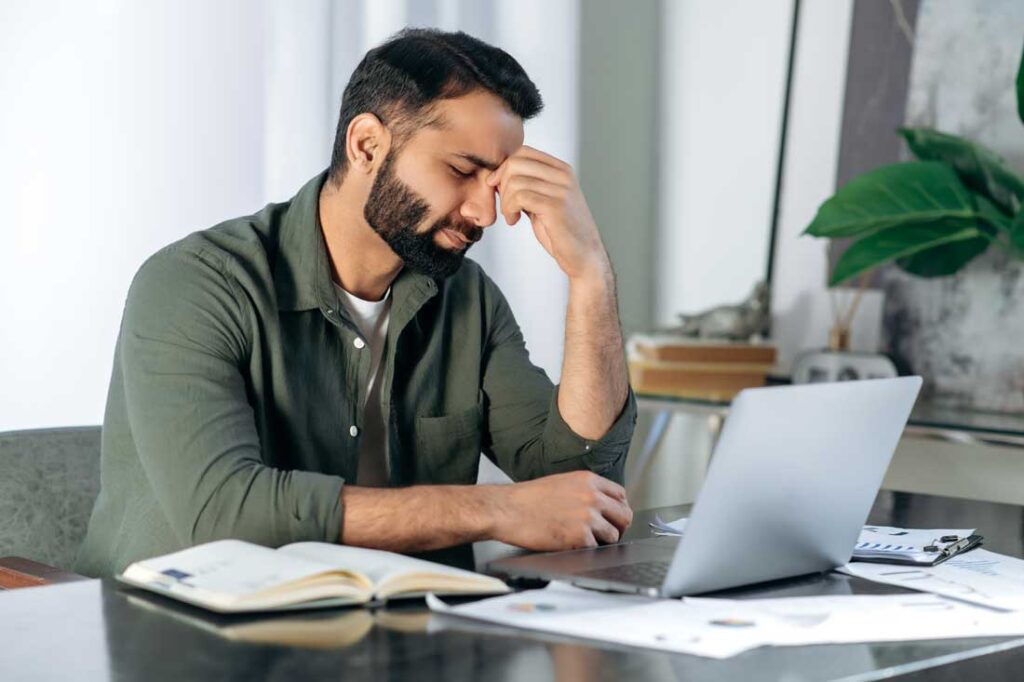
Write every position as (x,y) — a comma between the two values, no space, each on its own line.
(317,507)
(563,443)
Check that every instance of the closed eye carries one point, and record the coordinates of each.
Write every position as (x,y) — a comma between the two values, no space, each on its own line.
(461,174)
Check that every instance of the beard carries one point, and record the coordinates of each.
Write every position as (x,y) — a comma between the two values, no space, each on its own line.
(394,211)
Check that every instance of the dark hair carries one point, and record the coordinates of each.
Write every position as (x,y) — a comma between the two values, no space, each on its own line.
(401,79)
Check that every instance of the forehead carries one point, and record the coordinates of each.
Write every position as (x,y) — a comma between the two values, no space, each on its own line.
(478,123)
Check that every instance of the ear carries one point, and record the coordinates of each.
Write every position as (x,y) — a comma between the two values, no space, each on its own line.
(366,142)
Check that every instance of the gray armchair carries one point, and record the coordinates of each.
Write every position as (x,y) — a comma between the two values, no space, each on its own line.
(49,480)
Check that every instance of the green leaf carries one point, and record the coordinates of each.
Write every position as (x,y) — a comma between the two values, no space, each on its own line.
(898,242)
(1020,88)
(944,260)
(918,192)
(1017,234)
(990,215)
(980,169)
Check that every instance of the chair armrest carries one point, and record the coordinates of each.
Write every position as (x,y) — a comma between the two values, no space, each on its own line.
(16,572)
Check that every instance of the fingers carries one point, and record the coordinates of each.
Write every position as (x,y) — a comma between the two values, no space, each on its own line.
(529,167)
(513,200)
(610,488)
(612,502)
(510,183)
(615,511)
(588,540)
(518,183)
(525,175)
(603,531)
(533,153)
(523,200)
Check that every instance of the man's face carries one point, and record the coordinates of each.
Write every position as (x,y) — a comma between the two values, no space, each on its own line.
(429,201)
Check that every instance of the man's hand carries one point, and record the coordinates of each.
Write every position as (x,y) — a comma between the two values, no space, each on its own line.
(545,188)
(564,511)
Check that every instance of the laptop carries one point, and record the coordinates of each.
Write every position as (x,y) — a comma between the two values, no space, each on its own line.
(791,482)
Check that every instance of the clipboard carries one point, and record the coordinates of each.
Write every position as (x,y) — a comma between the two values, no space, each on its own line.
(948,551)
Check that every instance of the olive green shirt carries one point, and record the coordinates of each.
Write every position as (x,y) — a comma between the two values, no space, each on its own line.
(234,411)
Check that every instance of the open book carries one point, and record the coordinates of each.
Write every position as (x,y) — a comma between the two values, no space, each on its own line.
(233,576)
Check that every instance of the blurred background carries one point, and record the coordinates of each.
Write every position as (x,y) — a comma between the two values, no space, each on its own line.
(127,125)
(705,133)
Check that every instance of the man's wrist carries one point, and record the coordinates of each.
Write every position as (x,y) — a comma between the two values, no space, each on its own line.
(490,503)
(597,276)
(457,514)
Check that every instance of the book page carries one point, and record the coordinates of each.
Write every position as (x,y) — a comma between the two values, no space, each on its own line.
(224,572)
(375,564)
(396,574)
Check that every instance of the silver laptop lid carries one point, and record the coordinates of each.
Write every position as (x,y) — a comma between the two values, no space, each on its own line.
(791,482)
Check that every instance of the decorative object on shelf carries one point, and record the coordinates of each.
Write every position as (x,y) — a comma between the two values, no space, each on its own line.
(744,321)
(843,309)
(954,213)
(838,362)
(856,317)
(694,368)
(834,365)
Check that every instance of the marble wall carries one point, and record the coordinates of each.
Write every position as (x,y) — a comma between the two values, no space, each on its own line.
(965,333)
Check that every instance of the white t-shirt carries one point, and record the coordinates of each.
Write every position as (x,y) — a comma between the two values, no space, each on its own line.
(371,318)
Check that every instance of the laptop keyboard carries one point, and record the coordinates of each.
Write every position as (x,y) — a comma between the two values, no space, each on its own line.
(647,573)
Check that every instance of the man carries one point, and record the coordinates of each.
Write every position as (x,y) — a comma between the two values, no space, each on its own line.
(331,368)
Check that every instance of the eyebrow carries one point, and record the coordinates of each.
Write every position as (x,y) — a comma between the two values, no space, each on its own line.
(477,161)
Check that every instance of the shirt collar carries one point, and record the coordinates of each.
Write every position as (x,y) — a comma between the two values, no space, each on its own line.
(302,273)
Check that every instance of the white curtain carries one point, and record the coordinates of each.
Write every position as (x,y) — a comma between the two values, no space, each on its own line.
(125,126)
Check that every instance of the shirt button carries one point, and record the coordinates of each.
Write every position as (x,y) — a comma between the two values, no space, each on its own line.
(359,343)
(353,430)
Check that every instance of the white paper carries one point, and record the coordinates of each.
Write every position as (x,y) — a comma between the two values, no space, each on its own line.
(720,628)
(979,576)
(710,630)
(878,618)
(659,527)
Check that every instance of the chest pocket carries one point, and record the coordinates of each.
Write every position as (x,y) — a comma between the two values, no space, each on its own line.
(448,447)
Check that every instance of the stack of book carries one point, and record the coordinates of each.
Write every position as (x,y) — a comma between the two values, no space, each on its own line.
(696,368)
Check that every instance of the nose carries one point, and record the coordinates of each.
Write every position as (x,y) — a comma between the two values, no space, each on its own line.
(479,207)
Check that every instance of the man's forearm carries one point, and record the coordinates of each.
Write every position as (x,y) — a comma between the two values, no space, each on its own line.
(594,382)
(418,518)
(563,511)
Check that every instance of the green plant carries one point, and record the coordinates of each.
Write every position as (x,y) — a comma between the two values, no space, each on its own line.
(932,216)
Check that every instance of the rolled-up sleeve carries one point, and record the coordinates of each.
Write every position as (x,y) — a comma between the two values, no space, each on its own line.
(526,434)
(183,348)
(599,455)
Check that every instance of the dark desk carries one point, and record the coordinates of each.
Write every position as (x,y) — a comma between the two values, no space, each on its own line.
(99,630)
